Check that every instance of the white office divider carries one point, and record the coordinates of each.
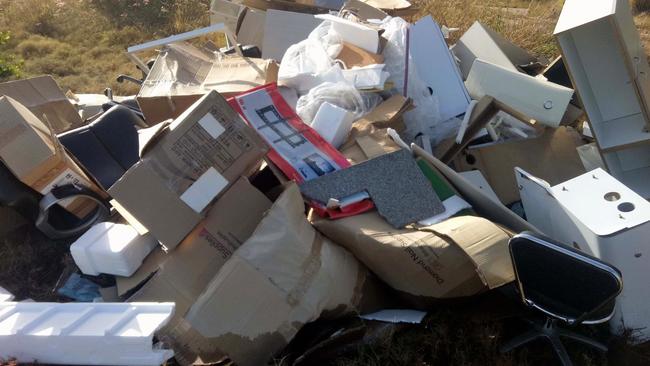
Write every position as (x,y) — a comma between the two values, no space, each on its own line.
(600,216)
(602,51)
(83,333)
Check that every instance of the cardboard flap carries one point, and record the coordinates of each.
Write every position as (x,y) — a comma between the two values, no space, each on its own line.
(42,96)
(147,136)
(485,243)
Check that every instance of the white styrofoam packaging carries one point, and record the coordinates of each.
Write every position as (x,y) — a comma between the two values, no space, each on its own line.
(599,215)
(83,333)
(333,123)
(111,248)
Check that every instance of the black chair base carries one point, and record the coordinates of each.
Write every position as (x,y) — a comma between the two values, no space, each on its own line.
(553,333)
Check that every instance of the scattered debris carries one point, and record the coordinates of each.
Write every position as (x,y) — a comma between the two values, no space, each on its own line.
(329,159)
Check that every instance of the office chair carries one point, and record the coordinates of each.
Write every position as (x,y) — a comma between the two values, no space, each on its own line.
(567,286)
(108,146)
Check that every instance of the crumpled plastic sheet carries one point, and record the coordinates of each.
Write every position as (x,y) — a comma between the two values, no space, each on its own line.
(340,94)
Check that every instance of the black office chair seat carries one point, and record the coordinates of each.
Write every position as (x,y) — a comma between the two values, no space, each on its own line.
(108,147)
(567,286)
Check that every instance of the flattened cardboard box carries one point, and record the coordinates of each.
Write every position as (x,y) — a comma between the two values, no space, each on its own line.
(551,156)
(31,152)
(183,73)
(42,96)
(186,271)
(186,166)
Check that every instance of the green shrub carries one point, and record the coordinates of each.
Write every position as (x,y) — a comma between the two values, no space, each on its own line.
(9,66)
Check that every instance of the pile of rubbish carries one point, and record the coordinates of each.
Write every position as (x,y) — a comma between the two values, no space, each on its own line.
(331,160)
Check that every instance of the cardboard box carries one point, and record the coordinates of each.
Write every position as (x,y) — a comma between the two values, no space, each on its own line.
(551,156)
(42,96)
(182,275)
(185,166)
(182,74)
(35,157)
(284,276)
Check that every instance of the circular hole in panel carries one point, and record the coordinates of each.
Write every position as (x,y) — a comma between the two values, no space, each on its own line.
(471,160)
(626,207)
(612,196)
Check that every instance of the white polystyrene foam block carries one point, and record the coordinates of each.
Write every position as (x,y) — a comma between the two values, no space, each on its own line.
(333,123)
(111,248)
(83,333)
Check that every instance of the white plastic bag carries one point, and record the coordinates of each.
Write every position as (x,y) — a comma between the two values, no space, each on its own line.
(340,94)
(309,63)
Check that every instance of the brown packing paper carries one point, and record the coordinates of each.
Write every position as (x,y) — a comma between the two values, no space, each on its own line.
(284,276)
(182,275)
(183,73)
(460,257)
(42,96)
(551,156)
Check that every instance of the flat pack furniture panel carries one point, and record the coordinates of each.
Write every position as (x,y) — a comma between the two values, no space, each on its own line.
(282,29)
(83,333)
(602,51)
(480,41)
(541,100)
(601,216)
(436,67)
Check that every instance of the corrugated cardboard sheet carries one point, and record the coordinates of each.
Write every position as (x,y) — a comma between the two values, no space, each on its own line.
(42,96)
(35,157)
(551,156)
(182,275)
(284,276)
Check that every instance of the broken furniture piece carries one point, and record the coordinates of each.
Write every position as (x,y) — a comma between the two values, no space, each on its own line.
(482,42)
(83,333)
(484,111)
(542,100)
(602,51)
(564,284)
(602,217)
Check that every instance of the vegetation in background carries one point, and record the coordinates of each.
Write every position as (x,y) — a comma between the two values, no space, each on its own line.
(82,43)
(9,66)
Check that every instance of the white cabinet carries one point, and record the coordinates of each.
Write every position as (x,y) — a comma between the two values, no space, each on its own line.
(602,51)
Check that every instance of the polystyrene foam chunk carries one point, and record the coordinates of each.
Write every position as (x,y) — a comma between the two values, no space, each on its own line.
(83,333)
(112,249)
(333,123)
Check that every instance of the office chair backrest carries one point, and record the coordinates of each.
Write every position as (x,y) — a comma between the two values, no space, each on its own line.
(108,147)
(562,281)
